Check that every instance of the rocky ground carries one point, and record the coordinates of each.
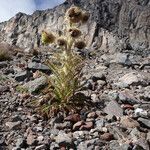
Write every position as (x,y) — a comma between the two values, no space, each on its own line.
(117,84)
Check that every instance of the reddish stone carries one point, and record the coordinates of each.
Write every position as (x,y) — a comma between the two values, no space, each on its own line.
(87,126)
(127,106)
(107,137)
(73,118)
(77,125)
(63,148)
(92,115)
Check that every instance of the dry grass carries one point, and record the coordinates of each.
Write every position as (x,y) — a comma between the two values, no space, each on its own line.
(4,52)
(7,51)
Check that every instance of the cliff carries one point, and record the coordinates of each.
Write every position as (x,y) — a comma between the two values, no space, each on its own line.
(114,25)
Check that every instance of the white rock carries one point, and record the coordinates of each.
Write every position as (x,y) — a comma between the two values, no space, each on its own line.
(140,112)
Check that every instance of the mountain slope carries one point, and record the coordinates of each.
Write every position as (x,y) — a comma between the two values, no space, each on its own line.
(118,24)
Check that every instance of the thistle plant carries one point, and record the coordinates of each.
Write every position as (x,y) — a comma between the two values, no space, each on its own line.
(66,65)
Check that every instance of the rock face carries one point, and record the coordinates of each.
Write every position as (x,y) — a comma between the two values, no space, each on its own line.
(114,24)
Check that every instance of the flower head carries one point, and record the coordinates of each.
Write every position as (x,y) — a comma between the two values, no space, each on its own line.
(80,44)
(61,41)
(47,38)
(85,17)
(74,14)
(75,32)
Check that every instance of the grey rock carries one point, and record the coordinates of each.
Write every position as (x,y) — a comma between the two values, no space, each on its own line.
(138,147)
(124,147)
(38,66)
(144,122)
(121,85)
(4,88)
(21,143)
(80,134)
(54,132)
(21,76)
(39,129)
(135,134)
(3,64)
(35,85)
(120,58)
(113,95)
(54,146)
(61,126)
(16,148)
(100,123)
(16,118)
(99,76)
(40,147)
(63,139)
(8,71)
(14,125)
(113,109)
(31,139)
(139,112)
(113,145)
(94,98)
(126,97)
(90,144)
(128,122)
(141,143)
(133,78)
(40,138)
(111,118)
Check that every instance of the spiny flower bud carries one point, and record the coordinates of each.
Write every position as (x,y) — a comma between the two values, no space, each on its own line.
(74,14)
(85,17)
(80,44)
(75,32)
(61,41)
(47,38)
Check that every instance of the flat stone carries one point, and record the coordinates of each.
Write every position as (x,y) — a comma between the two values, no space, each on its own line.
(127,98)
(38,66)
(98,76)
(90,144)
(14,125)
(111,118)
(144,122)
(106,136)
(63,139)
(3,64)
(140,112)
(35,85)
(40,147)
(114,109)
(133,78)
(113,95)
(124,147)
(21,76)
(128,122)
(21,143)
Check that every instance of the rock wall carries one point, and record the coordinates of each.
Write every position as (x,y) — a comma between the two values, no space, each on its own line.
(114,24)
